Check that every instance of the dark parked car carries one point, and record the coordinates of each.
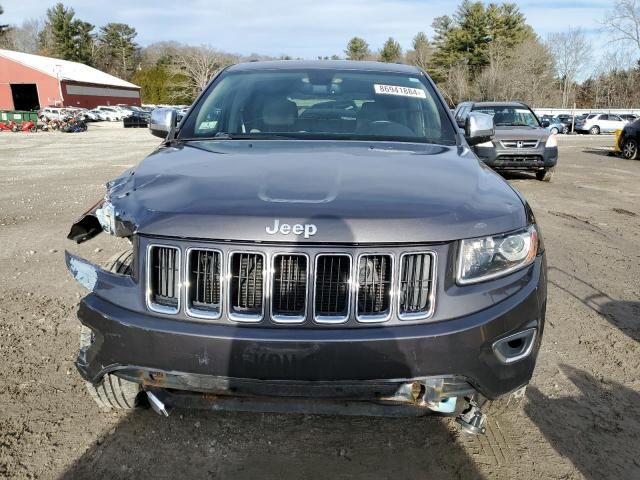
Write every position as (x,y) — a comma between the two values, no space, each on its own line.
(137,119)
(314,237)
(629,141)
(546,120)
(629,117)
(567,121)
(520,142)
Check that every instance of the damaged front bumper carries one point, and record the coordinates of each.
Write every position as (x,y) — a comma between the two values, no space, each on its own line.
(418,366)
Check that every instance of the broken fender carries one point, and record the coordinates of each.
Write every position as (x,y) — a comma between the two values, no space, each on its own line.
(115,288)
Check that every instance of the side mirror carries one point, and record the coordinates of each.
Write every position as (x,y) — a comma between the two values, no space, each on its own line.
(545,123)
(478,128)
(162,121)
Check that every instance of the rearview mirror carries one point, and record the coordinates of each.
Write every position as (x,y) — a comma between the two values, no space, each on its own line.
(478,128)
(162,121)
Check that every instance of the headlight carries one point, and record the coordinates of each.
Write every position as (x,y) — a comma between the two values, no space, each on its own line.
(485,258)
(485,144)
(552,141)
(106,215)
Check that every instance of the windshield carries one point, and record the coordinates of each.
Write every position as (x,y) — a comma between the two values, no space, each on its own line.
(510,116)
(320,104)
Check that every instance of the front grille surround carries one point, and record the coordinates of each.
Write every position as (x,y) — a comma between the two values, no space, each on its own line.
(149,291)
(268,316)
(191,310)
(243,317)
(333,319)
(279,317)
(375,317)
(423,315)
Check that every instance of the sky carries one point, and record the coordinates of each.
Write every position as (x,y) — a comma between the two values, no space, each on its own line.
(301,28)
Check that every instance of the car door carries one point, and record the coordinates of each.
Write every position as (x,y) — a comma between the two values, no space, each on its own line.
(602,121)
(616,122)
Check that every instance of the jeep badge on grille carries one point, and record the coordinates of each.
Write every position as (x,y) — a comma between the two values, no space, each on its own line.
(307,230)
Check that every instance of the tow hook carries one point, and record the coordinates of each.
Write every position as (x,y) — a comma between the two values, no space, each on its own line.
(472,420)
(158,405)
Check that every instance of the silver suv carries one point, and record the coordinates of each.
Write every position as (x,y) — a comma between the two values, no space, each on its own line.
(597,123)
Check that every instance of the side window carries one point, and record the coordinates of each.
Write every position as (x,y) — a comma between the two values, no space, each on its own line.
(462,112)
(603,117)
(615,118)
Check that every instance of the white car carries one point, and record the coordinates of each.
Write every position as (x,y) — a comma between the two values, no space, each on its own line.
(95,115)
(110,113)
(50,113)
(596,123)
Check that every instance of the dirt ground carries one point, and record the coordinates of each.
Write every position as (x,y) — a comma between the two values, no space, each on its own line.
(581,418)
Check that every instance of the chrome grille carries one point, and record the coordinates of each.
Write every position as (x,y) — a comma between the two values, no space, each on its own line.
(346,287)
(415,288)
(163,264)
(289,290)
(519,143)
(332,288)
(374,288)
(204,290)
(246,286)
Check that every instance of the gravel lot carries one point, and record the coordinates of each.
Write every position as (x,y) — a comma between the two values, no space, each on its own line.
(581,418)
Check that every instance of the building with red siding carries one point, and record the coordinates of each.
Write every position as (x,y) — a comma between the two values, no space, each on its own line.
(31,82)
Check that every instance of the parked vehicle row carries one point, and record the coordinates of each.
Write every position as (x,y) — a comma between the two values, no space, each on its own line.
(592,123)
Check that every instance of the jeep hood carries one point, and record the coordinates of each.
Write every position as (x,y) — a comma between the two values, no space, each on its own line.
(352,192)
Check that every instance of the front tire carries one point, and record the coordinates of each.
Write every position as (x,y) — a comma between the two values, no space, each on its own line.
(630,149)
(565,130)
(112,392)
(545,175)
(554,131)
(594,130)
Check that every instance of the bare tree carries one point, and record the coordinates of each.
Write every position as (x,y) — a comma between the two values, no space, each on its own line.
(25,37)
(623,20)
(456,87)
(422,51)
(571,52)
(199,65)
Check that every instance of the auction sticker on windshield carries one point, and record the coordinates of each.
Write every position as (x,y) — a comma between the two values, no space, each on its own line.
(398,90)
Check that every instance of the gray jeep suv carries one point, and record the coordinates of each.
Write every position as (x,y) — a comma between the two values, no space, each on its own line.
(520,142)
(314,237)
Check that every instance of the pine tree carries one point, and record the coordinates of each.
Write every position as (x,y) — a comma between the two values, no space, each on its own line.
(357,49)
(66,37)
(117,49)
(391,51)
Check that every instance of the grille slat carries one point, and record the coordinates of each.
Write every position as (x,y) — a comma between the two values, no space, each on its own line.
(163,265)
(415,285)
(332,280)
(289,291)
(246,286)
(205,283)
(374,287)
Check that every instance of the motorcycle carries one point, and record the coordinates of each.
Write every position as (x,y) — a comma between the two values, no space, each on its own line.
(7,126)
(74,125)
(24,127)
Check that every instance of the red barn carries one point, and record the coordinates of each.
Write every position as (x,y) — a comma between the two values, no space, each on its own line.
(31,82)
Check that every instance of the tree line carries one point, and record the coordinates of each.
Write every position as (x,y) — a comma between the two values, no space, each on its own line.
(481,52)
